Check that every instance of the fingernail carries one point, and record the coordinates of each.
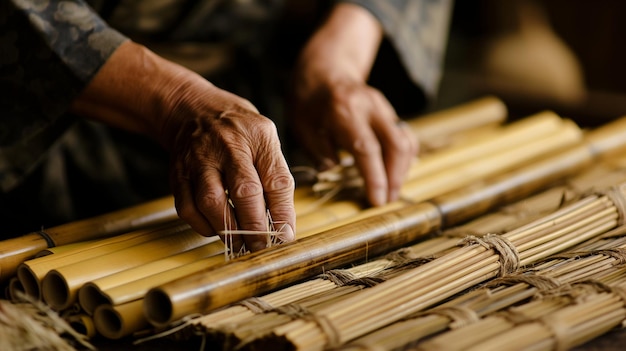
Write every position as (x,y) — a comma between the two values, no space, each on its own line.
(393,195)
(287,234)
(379,197)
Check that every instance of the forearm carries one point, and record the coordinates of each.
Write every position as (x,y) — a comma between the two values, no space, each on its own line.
(134,91)
(346,44)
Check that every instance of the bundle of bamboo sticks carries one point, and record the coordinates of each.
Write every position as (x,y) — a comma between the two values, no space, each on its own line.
(424,286)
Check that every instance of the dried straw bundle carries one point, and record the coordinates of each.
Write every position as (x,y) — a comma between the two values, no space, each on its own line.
(30,325)
(431,283)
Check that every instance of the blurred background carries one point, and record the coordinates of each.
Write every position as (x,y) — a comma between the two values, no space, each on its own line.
(564,55)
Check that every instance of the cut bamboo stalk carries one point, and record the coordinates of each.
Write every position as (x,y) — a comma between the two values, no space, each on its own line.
(433,127)
(90,294)
(17,250)
(32,272)
(432,185)
(60,285)
(82,324)
(116,322)
(513,135)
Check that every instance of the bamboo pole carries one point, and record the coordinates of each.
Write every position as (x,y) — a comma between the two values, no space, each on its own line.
(286,263)
(435,126)
(438,173)
(17,250)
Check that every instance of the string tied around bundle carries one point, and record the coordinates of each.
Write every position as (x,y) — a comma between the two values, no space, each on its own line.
(342,277)
(509,256)
(542,283)
(256,305)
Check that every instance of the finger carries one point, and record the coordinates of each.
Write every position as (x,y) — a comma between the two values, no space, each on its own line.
(246,193)
(278,184)
(359,139)
(211,198)
(399,145)
(185,202)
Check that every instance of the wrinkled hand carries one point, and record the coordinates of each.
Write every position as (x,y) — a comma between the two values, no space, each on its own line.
(357,118)
(218,141)
(334,108)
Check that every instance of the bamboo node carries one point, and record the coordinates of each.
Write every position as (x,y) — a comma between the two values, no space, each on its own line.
(509,257)
(47,238)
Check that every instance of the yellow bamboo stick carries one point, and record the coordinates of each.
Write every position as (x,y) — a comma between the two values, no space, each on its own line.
(465,174)
(90,294)
(17,250)
(33,271)
(60,285)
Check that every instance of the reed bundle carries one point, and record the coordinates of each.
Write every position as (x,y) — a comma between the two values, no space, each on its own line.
(429,284)
(283,265)
(550,283)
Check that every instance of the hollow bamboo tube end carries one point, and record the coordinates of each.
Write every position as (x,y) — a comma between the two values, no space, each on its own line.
(83,324)
(15,288)
(90,297)
(158,307)
(55,291)
(30,281)
(116,322)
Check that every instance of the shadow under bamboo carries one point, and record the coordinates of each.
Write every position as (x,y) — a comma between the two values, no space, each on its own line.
(17,250)
(284,264)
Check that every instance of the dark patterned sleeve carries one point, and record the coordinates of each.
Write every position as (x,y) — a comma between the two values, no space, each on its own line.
(49,51)
(418,30)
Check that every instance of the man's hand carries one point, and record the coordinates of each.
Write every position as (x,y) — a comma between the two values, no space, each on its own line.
(222,150)
(334,108)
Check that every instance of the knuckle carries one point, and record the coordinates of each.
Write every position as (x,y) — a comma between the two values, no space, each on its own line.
(281,182)
(245,189)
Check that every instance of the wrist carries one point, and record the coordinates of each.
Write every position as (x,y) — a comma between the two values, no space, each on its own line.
(343,49)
